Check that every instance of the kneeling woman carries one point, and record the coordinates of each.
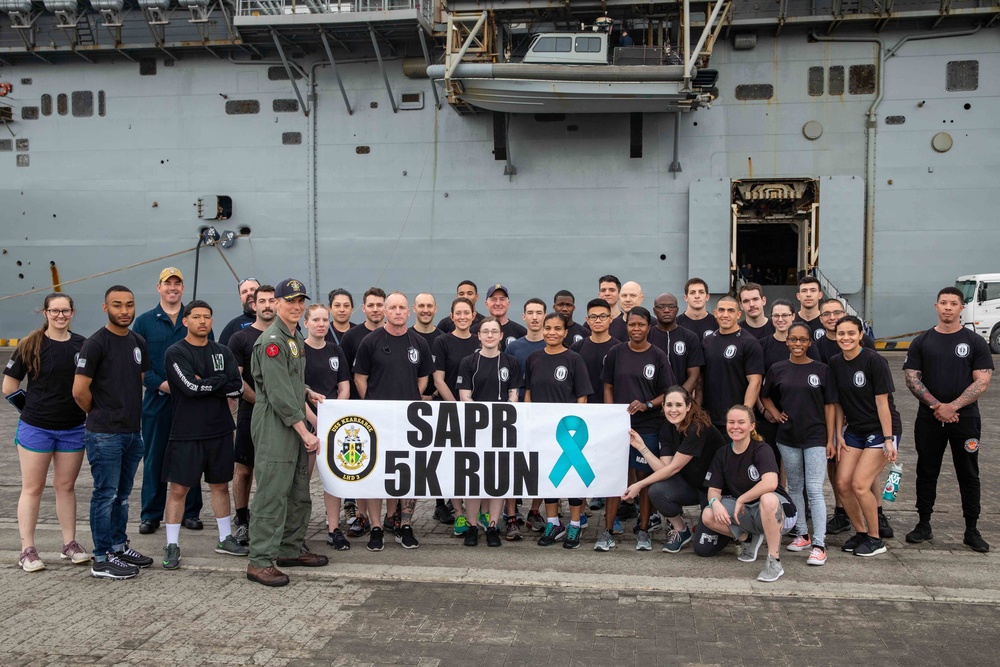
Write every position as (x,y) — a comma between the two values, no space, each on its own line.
(744,499)
(688,443)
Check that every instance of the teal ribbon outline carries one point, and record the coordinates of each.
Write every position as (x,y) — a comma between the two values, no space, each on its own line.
(572,445)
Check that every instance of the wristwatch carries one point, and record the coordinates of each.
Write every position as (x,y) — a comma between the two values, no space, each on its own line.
(649,405)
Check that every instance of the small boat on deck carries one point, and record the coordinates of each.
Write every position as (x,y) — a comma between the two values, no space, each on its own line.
(571,73)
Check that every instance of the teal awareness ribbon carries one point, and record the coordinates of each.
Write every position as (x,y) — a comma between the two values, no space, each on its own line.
(572,445)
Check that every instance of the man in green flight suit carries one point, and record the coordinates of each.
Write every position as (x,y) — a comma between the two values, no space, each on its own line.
(281,507)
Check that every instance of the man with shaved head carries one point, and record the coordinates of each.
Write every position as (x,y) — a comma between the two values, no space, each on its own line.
(683,346)
(629,297)
(393,364)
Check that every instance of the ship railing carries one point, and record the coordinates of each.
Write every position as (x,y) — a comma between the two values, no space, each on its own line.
(289,7)
(830,291)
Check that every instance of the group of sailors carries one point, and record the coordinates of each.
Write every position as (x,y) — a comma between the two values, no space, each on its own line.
(743,412)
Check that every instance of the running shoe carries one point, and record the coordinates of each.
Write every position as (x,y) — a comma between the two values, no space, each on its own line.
(337,540)
(676,540)
(350,513)
(376,540)
(872,546)
(443,514)
(817,556)
(493,536)
(553,533)
(242,533)
(461,525)
(133,557)
(113,568)
(471,536)
(606,542)
(75,553)
(655,523)
(484,520)
(535,521)
(772,570)
(391,523)
(30,561)
(596,503)
(920,533)
(627,511)
(746,552)
(360,526)
(616,527)
(838,523)
(853,542)
(172,557)
(231,547)
(583,520)
(800,543)
(643,541)
(975,541)
(572,540)
(405,537)
(884,529)
(513,533)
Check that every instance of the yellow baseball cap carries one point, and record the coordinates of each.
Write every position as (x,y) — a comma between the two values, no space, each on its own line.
(171,271)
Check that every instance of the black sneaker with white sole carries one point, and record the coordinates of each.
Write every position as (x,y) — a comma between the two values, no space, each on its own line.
(133,557)
(113,568)
(404,536)
(854,542)
(872,546)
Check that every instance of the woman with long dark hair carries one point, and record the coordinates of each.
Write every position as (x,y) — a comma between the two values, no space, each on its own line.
(50,431)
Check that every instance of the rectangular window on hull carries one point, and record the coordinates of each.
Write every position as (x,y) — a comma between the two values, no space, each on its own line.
(754,91)
(82,103)
(962,75)
(862,80)
(816,81)
(836,80)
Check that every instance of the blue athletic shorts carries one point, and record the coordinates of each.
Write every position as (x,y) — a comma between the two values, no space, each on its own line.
(46,441)
(870,441)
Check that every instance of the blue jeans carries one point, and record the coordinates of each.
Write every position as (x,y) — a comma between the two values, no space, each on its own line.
(114,458)
(806,471)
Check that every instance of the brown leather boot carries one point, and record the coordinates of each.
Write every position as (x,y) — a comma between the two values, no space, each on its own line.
(304,559)
(269,576)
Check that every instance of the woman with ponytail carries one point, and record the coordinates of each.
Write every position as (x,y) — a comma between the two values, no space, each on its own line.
(50,431)
(745,500)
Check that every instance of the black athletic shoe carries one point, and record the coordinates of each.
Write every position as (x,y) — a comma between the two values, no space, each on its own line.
(444,515)
(627,511)
(975,541)
(337,540)
(133,557)
(884,529)
(871,546)
(391,523)
(148,527)
(113,568)
(838,523)
(920,533)
(376,541)
(471,536)
(493,537)
(854,542)
(405,537)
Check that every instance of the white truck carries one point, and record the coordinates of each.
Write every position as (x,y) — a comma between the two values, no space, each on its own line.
(982,306)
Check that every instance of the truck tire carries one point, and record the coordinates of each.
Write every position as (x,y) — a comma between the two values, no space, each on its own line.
(995,340)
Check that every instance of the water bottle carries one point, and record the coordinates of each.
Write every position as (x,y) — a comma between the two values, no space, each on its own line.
(892,482)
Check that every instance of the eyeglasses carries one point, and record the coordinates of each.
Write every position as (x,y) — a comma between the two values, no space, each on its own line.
(668,306)
(798,340)
(598,318)
(780,316)
(65,312)
(832,313)
(248,280)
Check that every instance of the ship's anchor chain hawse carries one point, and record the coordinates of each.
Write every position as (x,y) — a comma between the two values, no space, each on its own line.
(209,237)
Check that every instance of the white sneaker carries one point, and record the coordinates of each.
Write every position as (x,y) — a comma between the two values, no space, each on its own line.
(772,570)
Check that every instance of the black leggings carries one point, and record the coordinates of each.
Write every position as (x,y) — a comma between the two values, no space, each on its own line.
(669,496)
(573,502)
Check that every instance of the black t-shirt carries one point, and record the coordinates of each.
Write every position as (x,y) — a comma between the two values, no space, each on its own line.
(701,445)
(815,325)
(735,474)
(826,348)
(702,327)
(349,343)
(639,376)
(48,402)
(575,333)
(335,336)
(593,355)
(758,332)
(509,333)
(447,325)
(241,321)
(115,365)
(859,381)
(429,338)
(326,368)
(946,363)
(802,391)
(775,350)
(556,378)
(489,379)
(393,365)
(201,379)
(683,348)
(448,352)
(729,359)
(618,328)
(241,345)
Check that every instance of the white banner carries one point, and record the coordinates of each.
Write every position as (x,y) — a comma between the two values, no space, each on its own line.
(441,449)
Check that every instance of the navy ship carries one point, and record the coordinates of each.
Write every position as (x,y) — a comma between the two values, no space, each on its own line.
(414,143)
